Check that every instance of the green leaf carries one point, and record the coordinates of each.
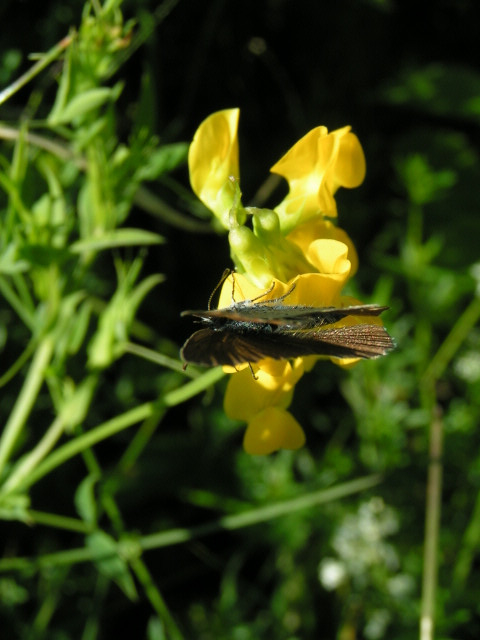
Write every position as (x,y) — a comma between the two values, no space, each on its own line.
(440,89)
(63,88)
(85,500)
(118,238)
(155,629)
(143,289)
(43,255)
(9,264)
(164,160)
(75,408)
(15,507)
(82,104)
(12,593)
(112,565)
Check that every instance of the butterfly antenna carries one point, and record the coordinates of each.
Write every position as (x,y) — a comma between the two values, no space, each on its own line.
(225,275)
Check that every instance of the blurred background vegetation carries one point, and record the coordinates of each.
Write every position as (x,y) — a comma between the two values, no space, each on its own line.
(128,505)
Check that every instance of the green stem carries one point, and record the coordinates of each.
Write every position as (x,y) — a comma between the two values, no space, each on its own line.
(432,526)
(452,342)
(151,203)
(178,536)
(468,549)
(57,521)
(432,374)
(106,498)
(55,147)
(260,514)
(155,597)
(22,359)
(139,442)
(9,294)
(32,459)
(25,399)
(81,401)
(154,356)
(117,424)
(83,442)
(25,78)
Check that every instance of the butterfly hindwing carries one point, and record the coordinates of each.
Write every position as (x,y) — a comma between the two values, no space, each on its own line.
(212,347)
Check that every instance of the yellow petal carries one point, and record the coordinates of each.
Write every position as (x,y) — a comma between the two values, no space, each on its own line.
(317,228)
(273,429)
(350,166)
(213,158)
(315,167)
(329,256)
(304,157)
(237,288)
(317,289)
(245,395)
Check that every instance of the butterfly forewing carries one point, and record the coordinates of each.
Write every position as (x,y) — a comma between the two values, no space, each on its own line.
(297,315)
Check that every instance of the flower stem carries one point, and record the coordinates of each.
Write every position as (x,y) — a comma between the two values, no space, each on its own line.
(117,424)
(452,342)
(155,597)
(161,539)
(467,550)
(25,399)
(57,521)
(432,526)
(32,459)
(34,70)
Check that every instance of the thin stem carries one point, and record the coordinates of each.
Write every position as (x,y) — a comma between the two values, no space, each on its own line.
(57,521)
(260,514)
(139,442)
(468,549)
(153,594)
(55,147)
(432,526)
(12,298)
(151,203)
(25,78)
(106,498)
(18,364)
(25,399)
(117,424)
(433,372)
(83,442)
(179,536)
(32,459)
(452,342)
(158,358)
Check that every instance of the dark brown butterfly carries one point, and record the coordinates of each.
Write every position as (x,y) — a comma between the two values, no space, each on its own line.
(247,331)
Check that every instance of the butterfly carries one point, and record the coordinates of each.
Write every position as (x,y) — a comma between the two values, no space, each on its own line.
(248,331)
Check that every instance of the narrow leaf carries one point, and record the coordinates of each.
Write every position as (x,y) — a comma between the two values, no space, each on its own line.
(118,238)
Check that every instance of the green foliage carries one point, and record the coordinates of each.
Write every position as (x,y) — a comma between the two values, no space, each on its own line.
(167,530)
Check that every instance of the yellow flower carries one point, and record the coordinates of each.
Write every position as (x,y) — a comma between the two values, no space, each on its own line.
(213,160)
(262,402)
(315,167)
(290,251)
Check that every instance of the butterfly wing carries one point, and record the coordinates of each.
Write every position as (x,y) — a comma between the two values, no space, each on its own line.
(351,341)
(287,316)
(210,347)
